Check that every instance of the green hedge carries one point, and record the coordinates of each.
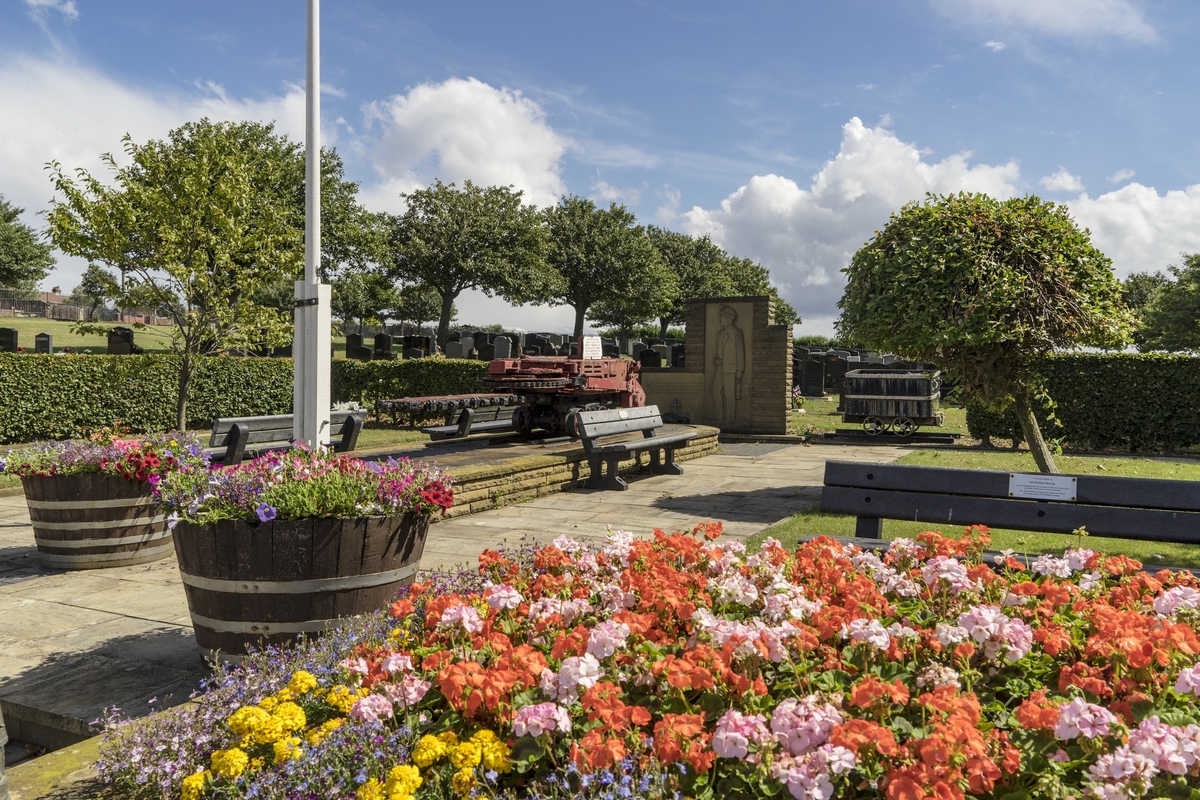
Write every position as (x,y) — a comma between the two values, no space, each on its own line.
(1121,401)
(54,397)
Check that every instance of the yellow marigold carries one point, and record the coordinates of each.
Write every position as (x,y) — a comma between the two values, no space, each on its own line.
(229,763)
(268,703)
(269,730)
(484,736)
(286,749)
(403,780)
(428,750)
(257,763)
(466,755)
(341,698)
(448,738)
(495,756)
(284,694)
(193,785)
(463,782)
(291,715)
(302,682)
(245,721)
(371,790)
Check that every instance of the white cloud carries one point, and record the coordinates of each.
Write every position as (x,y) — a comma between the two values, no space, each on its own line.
(65,7)
(608,193)
(806,235)
(669,209)
(866,87)
(1121,176)
(1140,229)
(995,46)
(66,111)
(1076,19)
(458,130)
(1062,181)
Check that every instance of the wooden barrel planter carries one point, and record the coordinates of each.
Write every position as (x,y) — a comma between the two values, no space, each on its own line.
(259,584)
(92,521)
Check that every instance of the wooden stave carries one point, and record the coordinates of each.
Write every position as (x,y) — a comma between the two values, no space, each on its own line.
(284,551)
(151,541)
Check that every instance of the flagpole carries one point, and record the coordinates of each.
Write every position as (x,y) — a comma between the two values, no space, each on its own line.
(311,347)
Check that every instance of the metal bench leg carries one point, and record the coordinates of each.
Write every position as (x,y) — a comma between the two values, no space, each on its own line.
(868,528)
(596,473)
(670,467)
(613,480)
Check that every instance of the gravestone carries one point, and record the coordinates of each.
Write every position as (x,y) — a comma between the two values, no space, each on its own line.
(610,350)
(502,347)
(43,343)
(650,357)
(456,349)
(486,351)
(835,371)
(556,339)
(8,340)
(664,353)
(414,352)
(356,349)
(636,347)
(482,338)
(798,373)
(677,359)
(120,341)
(383,347)
(814,377)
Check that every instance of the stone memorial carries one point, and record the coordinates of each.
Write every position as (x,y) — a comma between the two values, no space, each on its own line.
(737,373)
(413,352)
(650,357)
(456,349)
(8,340)
(814,377)
(43,343)
(383,347)
(502,347)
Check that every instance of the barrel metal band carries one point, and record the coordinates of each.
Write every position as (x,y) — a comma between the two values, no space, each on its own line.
(96,525)
(72,543)
(72,505)
(262,628)
(299,587)
(145,554)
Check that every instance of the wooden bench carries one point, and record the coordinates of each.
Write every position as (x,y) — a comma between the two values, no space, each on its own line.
(594,425)
(1126,508)
(466,421)
(231,437)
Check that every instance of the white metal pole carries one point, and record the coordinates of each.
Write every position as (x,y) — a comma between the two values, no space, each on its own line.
(311,349)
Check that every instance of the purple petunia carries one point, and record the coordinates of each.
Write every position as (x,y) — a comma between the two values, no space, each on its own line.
(265,512)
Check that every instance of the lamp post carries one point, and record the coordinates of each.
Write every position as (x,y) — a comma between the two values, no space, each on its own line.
(311,347)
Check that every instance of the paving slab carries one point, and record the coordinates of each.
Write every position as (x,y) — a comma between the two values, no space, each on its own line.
(122,636)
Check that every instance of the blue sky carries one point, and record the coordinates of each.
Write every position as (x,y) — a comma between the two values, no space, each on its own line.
(787,131)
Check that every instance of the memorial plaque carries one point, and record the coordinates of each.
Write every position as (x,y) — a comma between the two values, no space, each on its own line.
(1035,486)
(43,343)
(592,347)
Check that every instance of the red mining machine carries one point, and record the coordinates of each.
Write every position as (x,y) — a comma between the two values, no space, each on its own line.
(551,389)
(546,392)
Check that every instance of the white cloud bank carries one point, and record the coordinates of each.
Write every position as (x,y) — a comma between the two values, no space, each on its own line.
(463,129)
(1074,19)
(1062,181)
(805,236)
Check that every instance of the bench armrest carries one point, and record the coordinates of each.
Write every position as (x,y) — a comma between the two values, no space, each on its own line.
(351,428)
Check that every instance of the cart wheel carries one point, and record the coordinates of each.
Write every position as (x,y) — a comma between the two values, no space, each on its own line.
(903,426)
(571,424)
(874,426)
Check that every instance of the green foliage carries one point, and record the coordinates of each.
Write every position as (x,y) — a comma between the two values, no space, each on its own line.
(981,288)
(605,265)
(363,295)
(54,397)
(1170,307)
(1116,401)
(451,239)
(95,287)
(418,305)
(645,331)
(23,259)
(814,341)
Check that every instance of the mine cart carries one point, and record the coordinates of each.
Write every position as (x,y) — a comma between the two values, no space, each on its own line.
(900,401)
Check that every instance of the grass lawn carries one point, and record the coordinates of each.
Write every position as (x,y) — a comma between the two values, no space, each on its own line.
(154,339)
(822,415)
(814,523)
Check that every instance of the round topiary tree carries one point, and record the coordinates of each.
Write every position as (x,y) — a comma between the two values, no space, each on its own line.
(981,288)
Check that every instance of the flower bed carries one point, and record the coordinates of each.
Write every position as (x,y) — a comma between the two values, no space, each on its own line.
(685,666)
(145,459)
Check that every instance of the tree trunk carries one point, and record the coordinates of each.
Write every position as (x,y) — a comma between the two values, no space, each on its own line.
(1033,434)
(580,310)
(444,321)
(664,325)
(185,378)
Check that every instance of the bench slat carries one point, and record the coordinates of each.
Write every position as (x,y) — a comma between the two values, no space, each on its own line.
(1102,490)
(614,421)
(1027,515)
(273,428)
(643,444)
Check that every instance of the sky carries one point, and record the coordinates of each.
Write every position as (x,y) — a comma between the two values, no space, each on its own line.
(787,131)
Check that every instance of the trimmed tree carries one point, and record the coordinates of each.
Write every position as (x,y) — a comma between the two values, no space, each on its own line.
(602,256)
(199,224)
(1168,308)
(483,238)
(981,288)
(24,260)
